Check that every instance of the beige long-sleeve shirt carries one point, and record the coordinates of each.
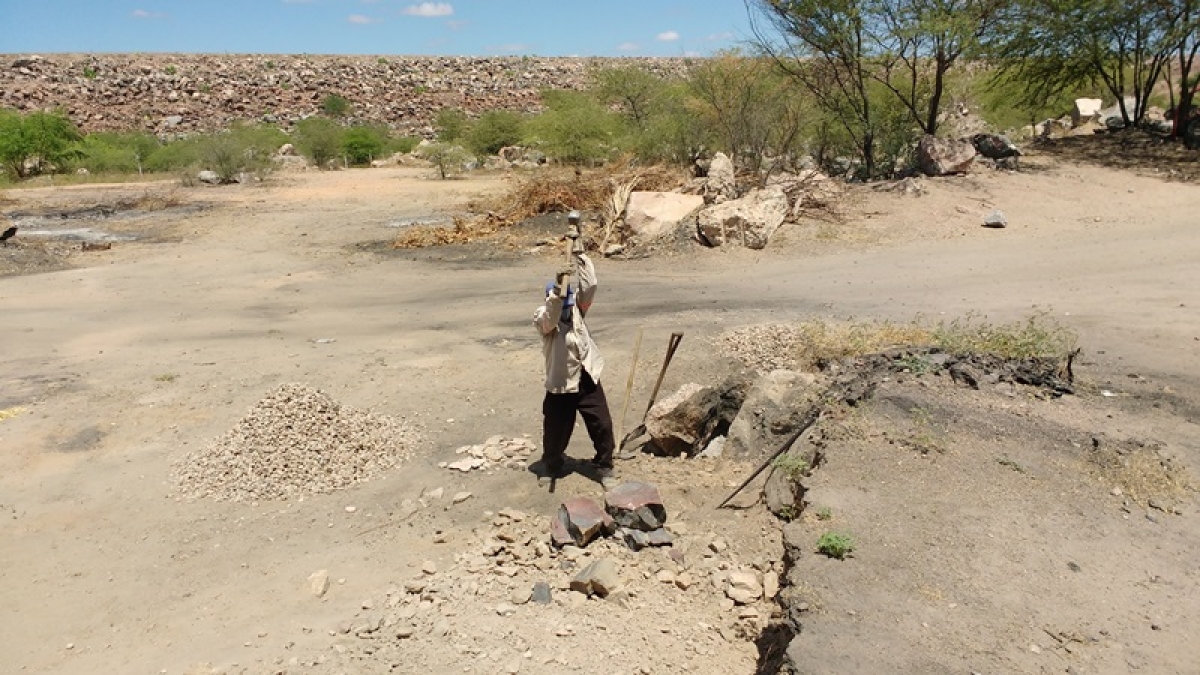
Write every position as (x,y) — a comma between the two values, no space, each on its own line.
(567,345)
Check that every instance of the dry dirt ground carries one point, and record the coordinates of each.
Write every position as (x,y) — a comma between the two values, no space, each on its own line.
(990,532)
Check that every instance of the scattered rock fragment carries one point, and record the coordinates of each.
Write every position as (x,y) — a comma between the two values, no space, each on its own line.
(496,451)
(318,582)
(600,578)
(995,219)
(743,587)
(541,593)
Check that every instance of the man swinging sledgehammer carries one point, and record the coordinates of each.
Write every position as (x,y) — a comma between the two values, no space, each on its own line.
(573,368)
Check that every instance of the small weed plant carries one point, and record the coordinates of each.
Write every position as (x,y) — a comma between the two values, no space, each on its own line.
(835,545)
(824,513)
(794,467)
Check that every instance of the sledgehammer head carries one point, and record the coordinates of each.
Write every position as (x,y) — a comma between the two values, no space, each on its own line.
(573,218)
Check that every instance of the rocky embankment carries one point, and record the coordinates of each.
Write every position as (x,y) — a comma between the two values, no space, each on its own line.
(180,93)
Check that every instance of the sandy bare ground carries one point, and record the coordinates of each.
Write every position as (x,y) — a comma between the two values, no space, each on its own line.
(131,357)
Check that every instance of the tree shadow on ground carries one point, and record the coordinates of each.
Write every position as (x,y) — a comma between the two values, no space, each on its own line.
(1134,150)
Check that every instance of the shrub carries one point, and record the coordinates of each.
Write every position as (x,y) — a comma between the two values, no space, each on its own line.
(318,138)
(404,144)
(117,152)
(335,105)
(451,124)
(363,144)
(36,141)
(494,130)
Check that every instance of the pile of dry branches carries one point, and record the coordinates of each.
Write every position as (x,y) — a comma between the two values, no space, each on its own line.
(545,191)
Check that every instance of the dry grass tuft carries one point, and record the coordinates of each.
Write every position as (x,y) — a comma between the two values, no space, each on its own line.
(810,344)
(10,412)
(538,193)
(1141,472)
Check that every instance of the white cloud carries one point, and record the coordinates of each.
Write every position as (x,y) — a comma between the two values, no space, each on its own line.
(668,36)
(143,14)
(360,19)
(627,47)
(430,9)
(719,37)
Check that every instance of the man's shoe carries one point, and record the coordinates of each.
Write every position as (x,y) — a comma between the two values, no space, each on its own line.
(546,477)
(608,478)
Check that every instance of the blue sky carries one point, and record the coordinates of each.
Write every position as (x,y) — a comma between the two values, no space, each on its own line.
(399,27)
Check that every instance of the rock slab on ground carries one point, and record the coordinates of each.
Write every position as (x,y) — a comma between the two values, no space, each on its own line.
(650,215)
(579,521)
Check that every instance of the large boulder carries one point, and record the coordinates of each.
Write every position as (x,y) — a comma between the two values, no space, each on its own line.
(770,412)
(684,422)
(749,221)
(721,183)
(650,215)
(941,157)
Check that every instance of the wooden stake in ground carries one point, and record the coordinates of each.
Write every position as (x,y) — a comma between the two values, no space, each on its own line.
(637,346)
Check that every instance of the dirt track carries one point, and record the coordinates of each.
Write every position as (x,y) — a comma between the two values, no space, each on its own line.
(126,361)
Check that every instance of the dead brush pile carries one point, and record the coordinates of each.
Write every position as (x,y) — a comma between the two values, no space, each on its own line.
(542,192)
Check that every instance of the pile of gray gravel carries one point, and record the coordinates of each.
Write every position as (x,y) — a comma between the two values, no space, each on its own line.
(764,347)
(296,441)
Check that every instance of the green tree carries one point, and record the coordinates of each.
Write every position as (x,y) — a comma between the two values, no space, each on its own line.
(320,139)
(575,128)
(825,45)
(35,142)
(847,53)
(1186,33)
(451,124)
(446,157)
(749,106)
(636,90)
(495,129)
(920,42)
(1053,46)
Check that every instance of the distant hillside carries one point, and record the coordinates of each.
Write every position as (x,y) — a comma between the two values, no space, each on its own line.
(178,93)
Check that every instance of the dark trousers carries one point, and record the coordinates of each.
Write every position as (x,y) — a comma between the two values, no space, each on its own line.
(558,421)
